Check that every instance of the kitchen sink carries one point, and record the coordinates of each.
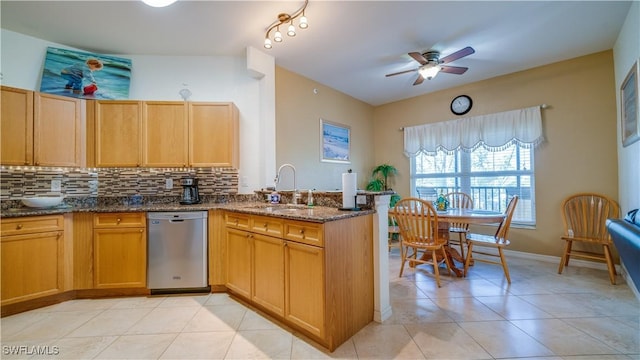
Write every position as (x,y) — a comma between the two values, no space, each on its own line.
(279,208)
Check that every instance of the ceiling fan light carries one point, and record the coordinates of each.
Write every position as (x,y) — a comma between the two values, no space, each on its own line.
(303,22)
(267,43)
(159,3)
(291,31)
(429,71)
(278,36)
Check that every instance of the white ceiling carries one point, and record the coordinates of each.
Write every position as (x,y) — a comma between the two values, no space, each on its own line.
(349,45)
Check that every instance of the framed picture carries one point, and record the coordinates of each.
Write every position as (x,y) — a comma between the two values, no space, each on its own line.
(335,142)
(629,107)
(85,75)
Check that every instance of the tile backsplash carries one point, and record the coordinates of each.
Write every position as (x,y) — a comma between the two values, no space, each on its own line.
(20,181)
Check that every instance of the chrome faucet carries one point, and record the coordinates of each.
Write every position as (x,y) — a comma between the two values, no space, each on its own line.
(295,196)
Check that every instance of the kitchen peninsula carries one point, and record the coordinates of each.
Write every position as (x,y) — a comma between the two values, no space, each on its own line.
(310,268)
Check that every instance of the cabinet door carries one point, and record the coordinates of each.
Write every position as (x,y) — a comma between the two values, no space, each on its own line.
(213,135)
(32,266)
(164,134)
(118,133)
(16,129)
(239,262)
(268,273)
(304,287)
(57,130)
(120,257)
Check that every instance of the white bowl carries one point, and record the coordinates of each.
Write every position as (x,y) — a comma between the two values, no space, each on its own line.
(43,201)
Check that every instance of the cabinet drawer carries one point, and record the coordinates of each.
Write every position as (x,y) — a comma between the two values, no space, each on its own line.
(34,224)
(304,232)
(238,221)
(266,225)
(137,219)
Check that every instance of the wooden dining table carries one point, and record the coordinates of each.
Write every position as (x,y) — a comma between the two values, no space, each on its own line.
(457,215)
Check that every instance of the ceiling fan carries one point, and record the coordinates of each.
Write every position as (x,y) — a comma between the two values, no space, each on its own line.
(431,64)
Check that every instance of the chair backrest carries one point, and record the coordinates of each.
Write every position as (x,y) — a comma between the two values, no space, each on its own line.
(585,214)
(459,200)
(502,232)
(417,221)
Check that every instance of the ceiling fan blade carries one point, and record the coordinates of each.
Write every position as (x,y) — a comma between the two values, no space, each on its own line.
(418,57)
(457,55)
(458,70)
(402,72)
(419,80)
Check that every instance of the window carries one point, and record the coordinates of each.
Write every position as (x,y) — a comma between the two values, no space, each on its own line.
(490,177)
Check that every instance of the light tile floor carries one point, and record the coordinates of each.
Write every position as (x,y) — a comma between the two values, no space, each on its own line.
(542,315)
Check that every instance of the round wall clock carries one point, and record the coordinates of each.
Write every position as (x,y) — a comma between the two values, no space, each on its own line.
(461,104)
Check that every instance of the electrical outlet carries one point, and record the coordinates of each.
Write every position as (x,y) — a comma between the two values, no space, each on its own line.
(244,181)
(56,185)
(168,184)
(361,199)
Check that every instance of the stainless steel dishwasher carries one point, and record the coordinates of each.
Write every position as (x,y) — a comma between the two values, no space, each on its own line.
(177,251)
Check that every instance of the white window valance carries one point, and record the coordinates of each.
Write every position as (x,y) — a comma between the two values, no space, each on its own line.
(493,132)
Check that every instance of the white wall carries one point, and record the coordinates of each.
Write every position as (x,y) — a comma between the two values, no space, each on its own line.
(209,78)
(626,52)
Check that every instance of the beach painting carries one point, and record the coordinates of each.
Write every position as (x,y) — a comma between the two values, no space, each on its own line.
(335,142)
(85,75)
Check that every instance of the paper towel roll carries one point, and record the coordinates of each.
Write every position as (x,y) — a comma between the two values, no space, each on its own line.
(349,190)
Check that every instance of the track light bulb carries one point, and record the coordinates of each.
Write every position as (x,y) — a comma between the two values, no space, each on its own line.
(267,43)
(303,22)
(278,36)
(291,31)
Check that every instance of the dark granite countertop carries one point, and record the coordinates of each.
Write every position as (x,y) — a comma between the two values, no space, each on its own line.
(318,214)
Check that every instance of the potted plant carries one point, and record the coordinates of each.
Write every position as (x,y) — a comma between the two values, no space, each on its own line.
(380,180)
(380,177)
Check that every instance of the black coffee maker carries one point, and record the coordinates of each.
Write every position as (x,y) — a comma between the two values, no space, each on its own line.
(190,193)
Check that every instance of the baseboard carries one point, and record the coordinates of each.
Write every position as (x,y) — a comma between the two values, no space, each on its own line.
(629,280)
(16,308)
(621,269)
(556,260)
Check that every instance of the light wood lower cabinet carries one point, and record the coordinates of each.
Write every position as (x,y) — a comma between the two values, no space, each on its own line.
(268,273)
(120,250)
(239,267)
(315,277)
(32,254)
(304,287)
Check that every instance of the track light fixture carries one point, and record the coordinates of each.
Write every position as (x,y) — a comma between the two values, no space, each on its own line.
(283,19)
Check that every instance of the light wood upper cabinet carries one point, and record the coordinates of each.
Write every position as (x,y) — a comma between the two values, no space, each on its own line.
(165,135)
(213,134)
(195,134)
(58,131)
(42,129)
(16,129)
(118,133)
